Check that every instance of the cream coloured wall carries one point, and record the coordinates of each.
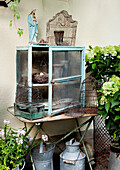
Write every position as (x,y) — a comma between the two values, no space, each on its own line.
(98,24)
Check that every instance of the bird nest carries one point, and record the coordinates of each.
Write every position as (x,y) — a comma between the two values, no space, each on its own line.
(41,77)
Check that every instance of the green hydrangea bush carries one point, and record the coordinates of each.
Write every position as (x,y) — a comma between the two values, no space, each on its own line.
(103,62)
(109,106)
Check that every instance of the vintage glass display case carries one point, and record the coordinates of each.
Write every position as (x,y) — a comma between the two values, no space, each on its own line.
(48,78)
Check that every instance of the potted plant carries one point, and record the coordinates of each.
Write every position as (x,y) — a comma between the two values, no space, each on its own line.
(109,108)
(14,146)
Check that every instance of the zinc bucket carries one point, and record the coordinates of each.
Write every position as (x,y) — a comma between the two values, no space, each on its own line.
(43,157)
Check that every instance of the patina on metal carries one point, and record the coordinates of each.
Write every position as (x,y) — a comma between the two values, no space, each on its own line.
(25,108)
(72,157)
(43,156)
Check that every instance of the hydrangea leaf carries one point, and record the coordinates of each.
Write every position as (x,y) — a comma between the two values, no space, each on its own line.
(107,107)
(117,117)
(114,103)
(93,66)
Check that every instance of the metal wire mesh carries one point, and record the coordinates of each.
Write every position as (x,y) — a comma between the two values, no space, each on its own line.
(101,144)
(28,94)
(88,93)
(87,98)
(28,103)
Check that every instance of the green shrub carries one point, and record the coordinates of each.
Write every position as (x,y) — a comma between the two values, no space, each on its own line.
(109,106)
(103,62)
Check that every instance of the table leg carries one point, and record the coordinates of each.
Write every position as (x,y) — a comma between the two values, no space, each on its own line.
(81,140)
(89,120)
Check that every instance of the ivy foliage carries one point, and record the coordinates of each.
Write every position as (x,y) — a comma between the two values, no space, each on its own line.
(13,7)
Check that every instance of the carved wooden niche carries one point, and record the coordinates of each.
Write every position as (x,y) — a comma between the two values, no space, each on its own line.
(62,21)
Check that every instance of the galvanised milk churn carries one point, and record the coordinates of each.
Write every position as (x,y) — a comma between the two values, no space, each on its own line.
(72,158)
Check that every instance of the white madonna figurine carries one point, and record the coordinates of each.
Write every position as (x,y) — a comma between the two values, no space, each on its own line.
(33,27)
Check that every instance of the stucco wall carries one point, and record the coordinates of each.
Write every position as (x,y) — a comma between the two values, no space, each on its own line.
(98,24)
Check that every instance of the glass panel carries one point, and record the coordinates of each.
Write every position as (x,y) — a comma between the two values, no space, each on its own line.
(31,94)
(66,94)
(40,66)
(22,67)
(66,63)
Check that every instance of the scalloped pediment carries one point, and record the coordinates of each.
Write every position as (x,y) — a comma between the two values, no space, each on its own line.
(62,21)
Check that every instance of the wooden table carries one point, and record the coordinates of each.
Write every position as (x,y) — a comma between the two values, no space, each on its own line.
(63,116)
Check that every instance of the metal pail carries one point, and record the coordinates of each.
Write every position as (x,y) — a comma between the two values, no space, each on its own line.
(43,160)
(20,168)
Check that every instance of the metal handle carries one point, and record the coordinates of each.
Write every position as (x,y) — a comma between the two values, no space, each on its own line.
(23,166)
(68,162)
(73,162)
(53,82)
(72,140)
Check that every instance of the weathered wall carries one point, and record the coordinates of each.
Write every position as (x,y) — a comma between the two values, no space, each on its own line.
(98,24)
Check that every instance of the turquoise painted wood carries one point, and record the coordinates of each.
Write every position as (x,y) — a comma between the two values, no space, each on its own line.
(52,81)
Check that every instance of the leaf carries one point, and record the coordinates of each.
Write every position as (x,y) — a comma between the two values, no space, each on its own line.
(99,112)
(114,136)
(116,95)
(100,107)
(108,62)
(116,69)
(104,115)
(117,109)
(117,117)
(116,131)
(108,124)
(36,144)
(11,23)
(111,100)
(20,31)
(17,15)
(90,47)
(117,138)
(18,1)
(11,162)
(93,66)
(107,107)
(113,126)
(12,5)
(114,103)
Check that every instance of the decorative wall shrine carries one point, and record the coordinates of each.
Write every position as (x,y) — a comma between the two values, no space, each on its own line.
(62,21)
